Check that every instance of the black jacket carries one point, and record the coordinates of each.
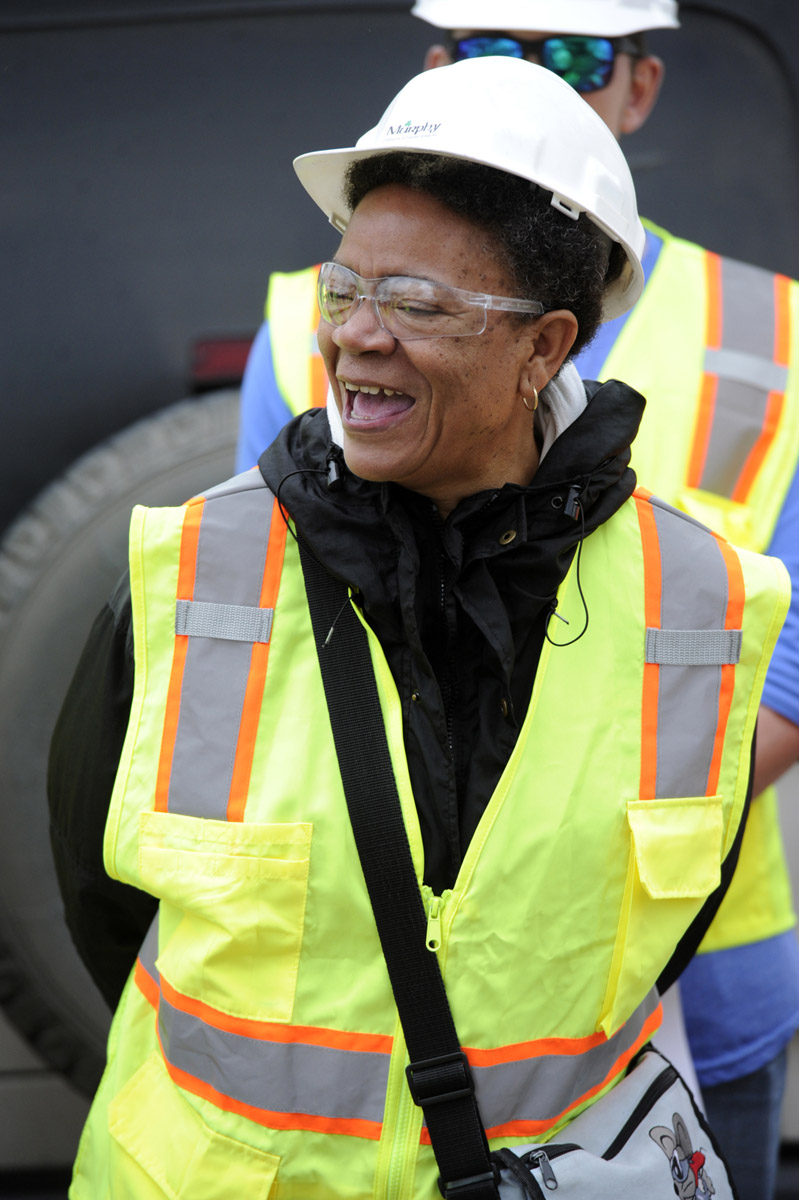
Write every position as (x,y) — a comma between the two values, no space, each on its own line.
(461,608)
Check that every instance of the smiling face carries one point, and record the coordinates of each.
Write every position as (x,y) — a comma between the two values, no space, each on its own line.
(441,416)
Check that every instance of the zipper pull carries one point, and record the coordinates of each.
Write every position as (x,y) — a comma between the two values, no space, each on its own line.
(433,937)
(572,506)
(541,1160)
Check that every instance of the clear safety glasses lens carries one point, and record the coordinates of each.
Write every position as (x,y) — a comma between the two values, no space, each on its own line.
(410,308)
(407,308)
(585,63)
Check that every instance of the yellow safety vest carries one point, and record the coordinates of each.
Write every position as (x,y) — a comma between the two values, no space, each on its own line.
(719,440)
(293,315)
(257,1049)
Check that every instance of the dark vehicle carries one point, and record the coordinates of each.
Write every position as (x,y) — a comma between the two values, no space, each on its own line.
(148,193)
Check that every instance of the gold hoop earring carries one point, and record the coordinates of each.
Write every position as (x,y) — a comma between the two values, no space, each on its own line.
(535,400)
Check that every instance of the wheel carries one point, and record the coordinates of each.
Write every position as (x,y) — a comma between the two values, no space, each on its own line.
(58,563)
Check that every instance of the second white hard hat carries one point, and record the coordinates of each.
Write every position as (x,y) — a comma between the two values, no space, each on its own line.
(602,18)
(515,117)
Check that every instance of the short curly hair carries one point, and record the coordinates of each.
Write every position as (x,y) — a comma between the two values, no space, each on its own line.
(551,257)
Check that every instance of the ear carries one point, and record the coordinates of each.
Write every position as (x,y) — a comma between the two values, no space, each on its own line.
(437,56)
(551,339)
(647,77)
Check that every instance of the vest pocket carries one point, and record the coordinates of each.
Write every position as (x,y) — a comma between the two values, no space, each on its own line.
(674,865)
(232,909)
(677,845)
(162,1149)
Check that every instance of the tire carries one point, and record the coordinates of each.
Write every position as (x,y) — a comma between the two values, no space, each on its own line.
(58,563)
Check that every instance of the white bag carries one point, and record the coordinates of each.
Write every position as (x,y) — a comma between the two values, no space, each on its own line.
(646,1138)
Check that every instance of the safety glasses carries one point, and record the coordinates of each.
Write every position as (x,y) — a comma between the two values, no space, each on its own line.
(410,308)
(586,63)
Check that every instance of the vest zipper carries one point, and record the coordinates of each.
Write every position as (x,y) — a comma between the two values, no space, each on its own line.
(406,1109)
(398,1165)
(433,936)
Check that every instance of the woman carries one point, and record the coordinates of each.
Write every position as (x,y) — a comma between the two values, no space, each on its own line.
(571,793)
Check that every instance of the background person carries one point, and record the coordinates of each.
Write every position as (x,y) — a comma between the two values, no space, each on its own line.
(720,439)
(482,485)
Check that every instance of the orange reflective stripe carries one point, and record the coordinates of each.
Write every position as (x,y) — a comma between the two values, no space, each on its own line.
(710,383)
(733,620)
(539,1048)
(187,569)
(704,425)
(771,423)
(146,984)
(652,604)
(273,1031)
(524,1128)
(251,709)
(782,322)
(319,380)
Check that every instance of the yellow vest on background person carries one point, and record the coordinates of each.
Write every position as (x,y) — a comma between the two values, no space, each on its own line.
(257,1050)
(293,315)
(719,440)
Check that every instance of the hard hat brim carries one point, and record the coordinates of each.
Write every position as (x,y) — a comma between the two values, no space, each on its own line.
(322,173)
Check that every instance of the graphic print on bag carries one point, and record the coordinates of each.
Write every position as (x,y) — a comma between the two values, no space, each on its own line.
(691,1180)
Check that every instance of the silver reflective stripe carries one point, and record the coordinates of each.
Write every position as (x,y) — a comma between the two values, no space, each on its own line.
(231,553)
(746,371)
(543,1088)
(694,596)
(751,369)
(231,622)
(298,1078)
(149,950)
(693,647)
(277,1077)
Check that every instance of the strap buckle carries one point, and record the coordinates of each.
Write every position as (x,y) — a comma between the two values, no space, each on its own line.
(457,1187)
(443,1084)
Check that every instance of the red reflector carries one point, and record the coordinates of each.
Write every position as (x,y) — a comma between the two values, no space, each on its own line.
(218,362)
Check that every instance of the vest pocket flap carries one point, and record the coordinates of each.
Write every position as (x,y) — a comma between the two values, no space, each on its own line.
(677,845)
(175,1153)
(220,848)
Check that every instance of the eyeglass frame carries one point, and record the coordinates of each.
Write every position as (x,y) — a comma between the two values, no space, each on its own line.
(484,300)
(624,44)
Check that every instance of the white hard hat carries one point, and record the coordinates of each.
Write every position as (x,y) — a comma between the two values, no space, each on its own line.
(516,117)
(603,18)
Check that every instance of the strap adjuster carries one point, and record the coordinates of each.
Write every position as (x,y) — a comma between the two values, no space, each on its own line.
(443,1085)
(451,1191)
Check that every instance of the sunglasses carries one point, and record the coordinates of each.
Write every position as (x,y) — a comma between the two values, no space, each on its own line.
(409,308)
(585,63)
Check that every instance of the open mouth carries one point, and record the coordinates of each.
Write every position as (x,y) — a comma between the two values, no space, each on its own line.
(369,403)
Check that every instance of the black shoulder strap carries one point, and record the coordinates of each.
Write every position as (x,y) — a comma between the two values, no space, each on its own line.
(439,1076)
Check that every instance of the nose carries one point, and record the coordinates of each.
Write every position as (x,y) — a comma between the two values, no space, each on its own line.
(362,331)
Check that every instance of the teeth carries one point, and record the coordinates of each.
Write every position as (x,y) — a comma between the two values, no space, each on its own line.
(370,390)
